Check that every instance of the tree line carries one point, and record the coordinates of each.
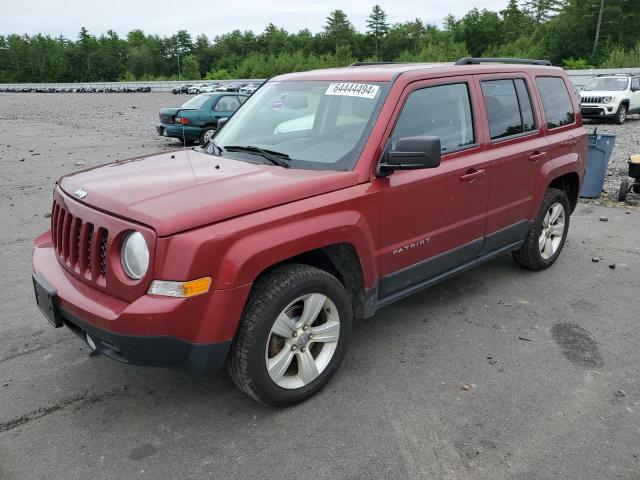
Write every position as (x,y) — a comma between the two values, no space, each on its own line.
(570,33)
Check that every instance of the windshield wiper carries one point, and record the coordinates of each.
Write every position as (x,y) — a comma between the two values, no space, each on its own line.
(215,148)
(277,158)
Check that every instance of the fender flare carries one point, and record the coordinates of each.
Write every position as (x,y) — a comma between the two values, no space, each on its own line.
(250,255)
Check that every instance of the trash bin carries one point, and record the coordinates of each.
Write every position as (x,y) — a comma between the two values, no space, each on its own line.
(600,146)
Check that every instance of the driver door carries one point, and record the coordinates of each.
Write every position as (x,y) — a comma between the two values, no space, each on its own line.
(433,220)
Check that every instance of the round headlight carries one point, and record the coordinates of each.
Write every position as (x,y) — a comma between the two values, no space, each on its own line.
(135,256)
(606,99)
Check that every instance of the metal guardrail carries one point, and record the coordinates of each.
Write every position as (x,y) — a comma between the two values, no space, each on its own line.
(159,86)
(578,77)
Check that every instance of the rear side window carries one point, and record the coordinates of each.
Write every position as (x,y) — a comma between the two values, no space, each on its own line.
(635,83)
(558,109)
(442,111)
(508,107)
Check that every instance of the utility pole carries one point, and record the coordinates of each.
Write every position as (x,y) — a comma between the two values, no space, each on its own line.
(178,64)
(595,42)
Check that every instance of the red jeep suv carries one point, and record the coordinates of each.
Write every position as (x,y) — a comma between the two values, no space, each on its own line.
(328,195)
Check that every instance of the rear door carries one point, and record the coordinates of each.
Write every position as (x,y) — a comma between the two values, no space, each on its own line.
(518,150)
(433,219)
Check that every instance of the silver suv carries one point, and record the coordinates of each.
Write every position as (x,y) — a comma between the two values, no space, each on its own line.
(611,96)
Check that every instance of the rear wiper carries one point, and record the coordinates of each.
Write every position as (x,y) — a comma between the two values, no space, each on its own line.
(277,158)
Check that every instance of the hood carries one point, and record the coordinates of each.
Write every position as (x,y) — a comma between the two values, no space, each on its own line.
(181,190)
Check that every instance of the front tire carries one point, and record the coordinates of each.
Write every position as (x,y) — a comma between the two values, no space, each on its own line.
(547,235)
(293,335)
(621,114)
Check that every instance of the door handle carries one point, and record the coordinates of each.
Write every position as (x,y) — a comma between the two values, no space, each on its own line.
(471,175)
(535,156)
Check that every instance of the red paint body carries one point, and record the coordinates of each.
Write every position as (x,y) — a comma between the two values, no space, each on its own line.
(234,222)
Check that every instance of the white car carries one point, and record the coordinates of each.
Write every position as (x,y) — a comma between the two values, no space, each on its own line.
(612,96)
(199,88)
(210,88)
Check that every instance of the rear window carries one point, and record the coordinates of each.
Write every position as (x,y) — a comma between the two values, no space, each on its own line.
(558,108)
(509,108)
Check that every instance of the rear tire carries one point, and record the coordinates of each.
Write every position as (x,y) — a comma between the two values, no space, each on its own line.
(547,235)
(621,114)
(624,190)
(293,335)
(206,135)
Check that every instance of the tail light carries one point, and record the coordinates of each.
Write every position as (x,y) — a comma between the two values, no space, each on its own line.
(183,121)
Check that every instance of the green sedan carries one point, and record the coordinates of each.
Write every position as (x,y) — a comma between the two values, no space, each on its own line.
(197,119)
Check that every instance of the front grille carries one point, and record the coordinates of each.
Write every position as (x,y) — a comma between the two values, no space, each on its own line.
(591,100)
(80,245)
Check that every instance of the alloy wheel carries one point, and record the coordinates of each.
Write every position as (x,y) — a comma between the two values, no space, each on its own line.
(552,231)
(302,341)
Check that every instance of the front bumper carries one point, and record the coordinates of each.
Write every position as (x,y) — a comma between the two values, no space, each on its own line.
(153,331)
(150,351)
(598,111)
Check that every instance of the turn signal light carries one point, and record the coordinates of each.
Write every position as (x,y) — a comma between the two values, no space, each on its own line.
(180,289)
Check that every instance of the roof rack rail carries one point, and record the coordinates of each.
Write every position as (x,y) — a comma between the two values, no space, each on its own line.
(479,60)
(628,74)
(364,64)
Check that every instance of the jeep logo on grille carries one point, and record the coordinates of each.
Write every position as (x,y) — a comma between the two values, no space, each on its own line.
(81,193)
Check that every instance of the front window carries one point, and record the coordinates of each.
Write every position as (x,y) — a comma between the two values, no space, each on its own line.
(607,84)
(196,102)
(319,125)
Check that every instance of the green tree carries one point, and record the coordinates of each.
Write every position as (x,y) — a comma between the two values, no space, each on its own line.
(338,29)
(190,68)
(377,25)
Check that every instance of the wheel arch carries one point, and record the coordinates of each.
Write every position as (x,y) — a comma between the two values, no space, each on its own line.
(340,260)
(570,184)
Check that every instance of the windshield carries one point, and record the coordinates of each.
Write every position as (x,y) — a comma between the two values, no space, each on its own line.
(610,84)
(317,125)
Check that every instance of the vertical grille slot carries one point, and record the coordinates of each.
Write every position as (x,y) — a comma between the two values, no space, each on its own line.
(74,242)
(103,252)
(89,248)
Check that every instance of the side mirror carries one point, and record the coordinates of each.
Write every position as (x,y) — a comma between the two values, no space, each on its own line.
(411,153)
(221,122)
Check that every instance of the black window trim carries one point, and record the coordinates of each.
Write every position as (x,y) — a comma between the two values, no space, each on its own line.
(575,114)
(533,110)
(475,143)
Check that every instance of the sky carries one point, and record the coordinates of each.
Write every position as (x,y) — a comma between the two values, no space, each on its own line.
(165,17)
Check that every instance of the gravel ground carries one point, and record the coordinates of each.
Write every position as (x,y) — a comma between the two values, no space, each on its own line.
(497,374)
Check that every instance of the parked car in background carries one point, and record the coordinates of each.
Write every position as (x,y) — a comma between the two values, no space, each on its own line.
(252,87)
(198,87)
(197,119)
(611,97)
(209,88)
(259,250)
(230,87)
(182,89)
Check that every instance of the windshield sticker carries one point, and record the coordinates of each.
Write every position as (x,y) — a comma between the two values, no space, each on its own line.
(361,90)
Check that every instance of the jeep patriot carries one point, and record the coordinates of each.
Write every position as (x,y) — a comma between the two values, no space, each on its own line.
(328,195)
